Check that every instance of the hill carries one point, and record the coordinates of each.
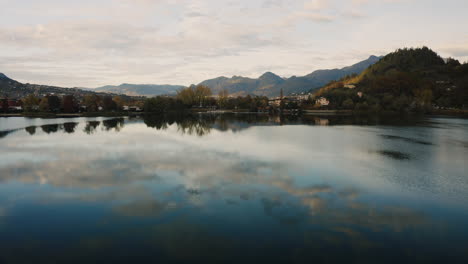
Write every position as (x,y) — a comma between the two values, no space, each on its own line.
(140,89)
(13,89)
(270,84)
(407,79)
(240,86)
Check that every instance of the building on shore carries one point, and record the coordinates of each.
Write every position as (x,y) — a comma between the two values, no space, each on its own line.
(322,101)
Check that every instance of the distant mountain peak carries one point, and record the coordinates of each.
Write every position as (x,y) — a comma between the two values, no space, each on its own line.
(270,84)
(374,59)
(269,75)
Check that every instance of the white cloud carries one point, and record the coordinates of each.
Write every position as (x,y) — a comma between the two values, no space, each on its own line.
(92,43)
(316,4)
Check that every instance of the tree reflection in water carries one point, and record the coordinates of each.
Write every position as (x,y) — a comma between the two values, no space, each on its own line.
(116,123)
(70,127)
(204,123)
(288,201)
(31,130)
(53,128)
(91,126)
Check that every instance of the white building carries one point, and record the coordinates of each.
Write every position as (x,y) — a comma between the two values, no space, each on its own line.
(322,101)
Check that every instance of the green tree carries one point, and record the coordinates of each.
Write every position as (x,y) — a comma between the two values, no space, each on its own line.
(157,105)
(54,103)
(362,106)
(423,97)
(348,104)
(108,104)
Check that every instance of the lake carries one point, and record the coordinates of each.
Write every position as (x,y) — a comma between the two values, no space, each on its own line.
(234,188)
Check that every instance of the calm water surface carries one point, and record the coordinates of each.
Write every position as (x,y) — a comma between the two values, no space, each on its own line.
(233,189)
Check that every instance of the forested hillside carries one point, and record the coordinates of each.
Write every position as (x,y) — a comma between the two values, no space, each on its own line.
(407,79)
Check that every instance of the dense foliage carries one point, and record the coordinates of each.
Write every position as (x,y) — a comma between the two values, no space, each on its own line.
(405,80)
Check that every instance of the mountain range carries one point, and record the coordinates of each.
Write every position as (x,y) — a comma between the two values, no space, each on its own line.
(268,84)
(148,90)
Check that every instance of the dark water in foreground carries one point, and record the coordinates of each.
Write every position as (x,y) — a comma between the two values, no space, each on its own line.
(233,189)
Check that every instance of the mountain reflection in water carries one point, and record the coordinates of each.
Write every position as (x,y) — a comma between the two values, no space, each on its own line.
(233,188)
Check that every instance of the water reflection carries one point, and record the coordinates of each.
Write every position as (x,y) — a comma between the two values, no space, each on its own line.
(209,188)
(51,128)
(91,126)
(398,155)
(5,133)
(113,124)
(31,130)
(203,124)
(69,127)
(405,139)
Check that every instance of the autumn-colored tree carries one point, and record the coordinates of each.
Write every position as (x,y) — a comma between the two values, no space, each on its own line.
(30,103)
(194,95)
(187,95)
(119,101)
(91,102)
(223,97)
(50,103)
(201,94)
(44,105)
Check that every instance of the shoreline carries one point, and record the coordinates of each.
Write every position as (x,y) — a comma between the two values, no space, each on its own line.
(449,113)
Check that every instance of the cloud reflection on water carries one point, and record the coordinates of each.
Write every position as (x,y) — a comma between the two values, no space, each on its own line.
(191,188)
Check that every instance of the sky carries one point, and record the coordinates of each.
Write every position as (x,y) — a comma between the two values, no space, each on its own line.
(91,43)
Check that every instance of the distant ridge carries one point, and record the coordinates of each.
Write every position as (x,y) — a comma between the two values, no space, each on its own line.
(140,89)
(270,84)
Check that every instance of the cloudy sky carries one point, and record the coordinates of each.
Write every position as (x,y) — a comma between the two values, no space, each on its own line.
(89,43)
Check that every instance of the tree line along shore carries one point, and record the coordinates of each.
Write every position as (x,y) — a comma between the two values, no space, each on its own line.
(405,81)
